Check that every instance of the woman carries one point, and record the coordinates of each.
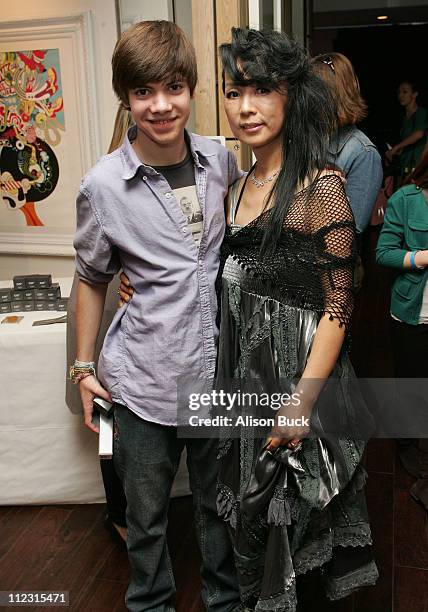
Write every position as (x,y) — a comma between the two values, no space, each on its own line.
(350,149)
(293,503)
(286,300)
(403,245)
(413,130)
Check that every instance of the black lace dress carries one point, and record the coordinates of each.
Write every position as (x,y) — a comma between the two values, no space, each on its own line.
(291,512)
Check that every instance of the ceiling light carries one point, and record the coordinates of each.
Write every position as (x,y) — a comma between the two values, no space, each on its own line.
(382,17)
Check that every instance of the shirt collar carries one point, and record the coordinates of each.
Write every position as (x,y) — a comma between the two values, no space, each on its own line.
(412,189)
(132,163)
(340,139)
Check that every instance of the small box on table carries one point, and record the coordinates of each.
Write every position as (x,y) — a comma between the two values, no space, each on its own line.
(19,282)
(18,295)
(61,304)
(5,295)
(5,307)
(28,294)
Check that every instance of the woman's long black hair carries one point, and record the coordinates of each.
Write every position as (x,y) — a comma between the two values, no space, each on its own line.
(273,60)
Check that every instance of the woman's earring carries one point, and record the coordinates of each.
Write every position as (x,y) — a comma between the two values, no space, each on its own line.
(236,146)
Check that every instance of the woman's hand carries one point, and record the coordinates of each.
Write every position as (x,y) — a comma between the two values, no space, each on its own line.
(290,431)
(393,151)
(421,258)
(125,290)
(292,424)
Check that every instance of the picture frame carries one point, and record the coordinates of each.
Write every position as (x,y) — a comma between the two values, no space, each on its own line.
(49,130)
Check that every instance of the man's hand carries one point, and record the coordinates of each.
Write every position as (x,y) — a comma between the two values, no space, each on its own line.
(89,388)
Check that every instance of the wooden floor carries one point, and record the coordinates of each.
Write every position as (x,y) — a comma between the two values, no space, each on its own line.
(67,547)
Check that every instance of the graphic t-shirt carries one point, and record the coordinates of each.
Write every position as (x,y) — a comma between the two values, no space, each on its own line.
(181,178)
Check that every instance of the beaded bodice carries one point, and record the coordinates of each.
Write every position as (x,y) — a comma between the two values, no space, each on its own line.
(312,266)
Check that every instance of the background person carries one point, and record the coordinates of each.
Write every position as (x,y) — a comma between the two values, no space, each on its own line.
(350,149)
(403,245)
(413,130)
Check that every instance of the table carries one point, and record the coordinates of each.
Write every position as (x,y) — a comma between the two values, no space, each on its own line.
(47,456)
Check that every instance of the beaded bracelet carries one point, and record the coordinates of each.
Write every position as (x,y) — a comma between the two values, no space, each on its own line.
(84,364)
(78,373)
(80,376)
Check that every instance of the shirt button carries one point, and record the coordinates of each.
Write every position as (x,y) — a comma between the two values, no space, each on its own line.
(144,178)
(184,230)
(168,195)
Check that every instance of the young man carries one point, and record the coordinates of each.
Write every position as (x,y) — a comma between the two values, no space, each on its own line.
(129,216)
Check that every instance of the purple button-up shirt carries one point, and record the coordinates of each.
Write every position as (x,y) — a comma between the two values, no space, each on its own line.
(128,217)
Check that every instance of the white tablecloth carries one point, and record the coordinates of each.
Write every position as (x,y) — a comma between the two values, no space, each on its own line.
(47,456)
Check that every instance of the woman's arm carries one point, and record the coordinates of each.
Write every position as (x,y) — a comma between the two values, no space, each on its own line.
(420,257)
(390,249)
(409,140)
(336,263)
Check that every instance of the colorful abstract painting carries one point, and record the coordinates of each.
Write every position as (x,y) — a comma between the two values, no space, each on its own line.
(31,123)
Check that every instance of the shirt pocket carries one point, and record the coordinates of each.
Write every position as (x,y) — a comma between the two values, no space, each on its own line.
(417,235)
(406,285)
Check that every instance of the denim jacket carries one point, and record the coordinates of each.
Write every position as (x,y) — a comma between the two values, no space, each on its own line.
(356,155)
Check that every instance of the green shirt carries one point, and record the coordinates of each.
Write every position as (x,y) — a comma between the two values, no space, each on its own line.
(405,229)
(411,154)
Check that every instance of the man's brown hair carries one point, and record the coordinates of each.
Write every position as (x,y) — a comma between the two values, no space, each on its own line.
(152,51)
(337,71)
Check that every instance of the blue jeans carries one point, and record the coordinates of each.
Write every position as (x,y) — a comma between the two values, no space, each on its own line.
(146,457)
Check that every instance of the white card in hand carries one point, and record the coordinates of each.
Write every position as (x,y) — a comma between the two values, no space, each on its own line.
(105,443)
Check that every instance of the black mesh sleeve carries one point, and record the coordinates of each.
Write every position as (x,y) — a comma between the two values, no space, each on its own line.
(333,231)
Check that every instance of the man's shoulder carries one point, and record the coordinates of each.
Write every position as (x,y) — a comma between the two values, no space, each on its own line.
(208,145)
(108,168)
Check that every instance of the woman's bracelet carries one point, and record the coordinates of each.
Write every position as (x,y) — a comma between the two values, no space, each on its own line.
(413,263)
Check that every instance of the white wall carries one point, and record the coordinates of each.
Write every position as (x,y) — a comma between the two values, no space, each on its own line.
(143,10)
(105,35)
